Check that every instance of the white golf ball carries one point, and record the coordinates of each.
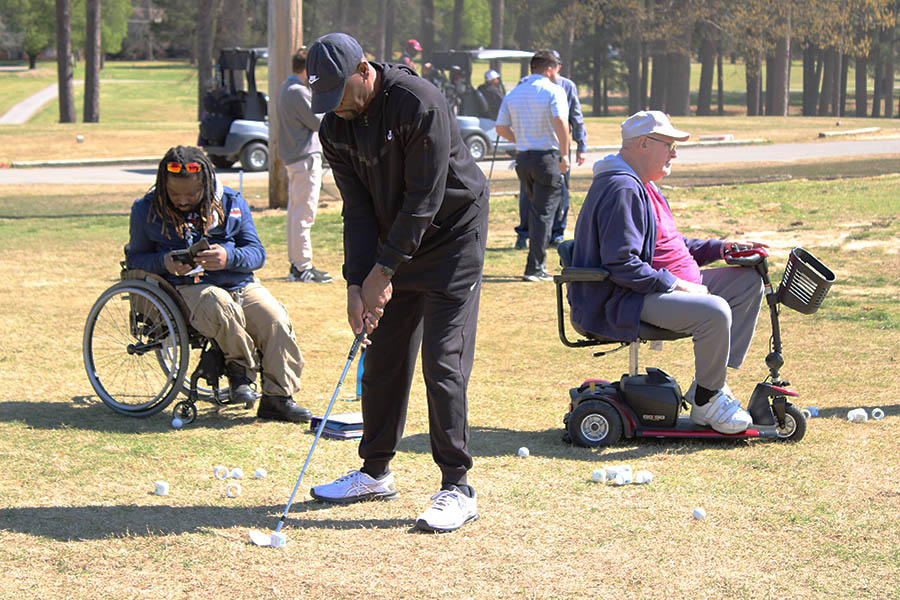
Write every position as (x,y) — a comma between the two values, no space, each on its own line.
(620,479)
(233,490)
(277,539)
(237,473)
(643,477)
(699,513)
(177,423)
(260,473)
(79,138)
(877,414)
(161,488)
(221,472)
(598,476)
(523,452)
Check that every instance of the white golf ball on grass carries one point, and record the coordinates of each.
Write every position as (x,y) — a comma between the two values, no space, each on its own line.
(598,476)
(260,473)
(177,423)
(699,513)
(523,452)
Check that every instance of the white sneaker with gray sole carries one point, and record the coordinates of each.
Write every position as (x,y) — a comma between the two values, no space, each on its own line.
(449,511)
(355,486)
(723,412)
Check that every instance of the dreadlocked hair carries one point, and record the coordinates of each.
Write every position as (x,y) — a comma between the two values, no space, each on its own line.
(161,206)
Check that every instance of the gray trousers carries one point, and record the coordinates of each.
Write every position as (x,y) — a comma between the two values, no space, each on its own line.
(721,323)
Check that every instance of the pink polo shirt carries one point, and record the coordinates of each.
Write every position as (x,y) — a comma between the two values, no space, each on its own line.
(670,252)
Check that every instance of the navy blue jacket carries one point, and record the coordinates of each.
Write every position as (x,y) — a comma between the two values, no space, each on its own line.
(149,244)
(616,230)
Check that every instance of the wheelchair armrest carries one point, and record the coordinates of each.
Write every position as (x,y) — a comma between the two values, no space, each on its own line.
(581,274)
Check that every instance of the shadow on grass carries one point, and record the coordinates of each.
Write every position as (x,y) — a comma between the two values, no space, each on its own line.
(840,412)
(89,413)
(498,442)
(94,522)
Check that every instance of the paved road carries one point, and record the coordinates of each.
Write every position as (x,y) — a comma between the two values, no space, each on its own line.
(144,175)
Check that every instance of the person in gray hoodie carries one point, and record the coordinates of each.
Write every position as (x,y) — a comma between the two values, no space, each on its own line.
(626,227)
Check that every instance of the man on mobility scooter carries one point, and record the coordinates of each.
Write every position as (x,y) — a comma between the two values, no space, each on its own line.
(626,227)
(187,210)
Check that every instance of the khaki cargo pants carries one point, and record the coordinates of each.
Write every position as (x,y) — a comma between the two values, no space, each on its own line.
(244,320)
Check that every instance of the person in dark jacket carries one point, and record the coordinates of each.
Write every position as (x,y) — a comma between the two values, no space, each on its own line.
(415,220)
(225,301)
(626,227)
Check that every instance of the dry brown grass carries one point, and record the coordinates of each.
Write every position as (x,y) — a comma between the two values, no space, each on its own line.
(818,519)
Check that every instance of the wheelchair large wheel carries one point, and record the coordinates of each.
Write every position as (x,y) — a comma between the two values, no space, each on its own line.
(136,348)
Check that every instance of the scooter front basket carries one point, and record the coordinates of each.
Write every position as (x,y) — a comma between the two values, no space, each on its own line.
(805,283)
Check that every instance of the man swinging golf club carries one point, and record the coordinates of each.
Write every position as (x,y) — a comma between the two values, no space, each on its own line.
(415,220)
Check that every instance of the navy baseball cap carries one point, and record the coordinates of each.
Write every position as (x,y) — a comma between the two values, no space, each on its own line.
(329,63)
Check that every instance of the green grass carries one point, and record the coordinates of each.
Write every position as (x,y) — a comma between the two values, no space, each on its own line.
(819,518)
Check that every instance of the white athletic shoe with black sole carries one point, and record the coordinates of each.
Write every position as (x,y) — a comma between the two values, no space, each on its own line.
(449,511)
(355,486)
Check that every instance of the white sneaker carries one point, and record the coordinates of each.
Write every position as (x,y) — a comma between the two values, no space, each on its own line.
(449,511)
(355,486)
(723,412)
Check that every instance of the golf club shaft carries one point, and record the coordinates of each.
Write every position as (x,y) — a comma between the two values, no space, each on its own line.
(353,350)
(494,157)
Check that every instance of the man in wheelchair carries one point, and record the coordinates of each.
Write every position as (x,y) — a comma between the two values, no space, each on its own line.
(188,205)
(626,227)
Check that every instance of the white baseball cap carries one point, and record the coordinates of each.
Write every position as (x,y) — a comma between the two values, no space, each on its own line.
(491,74)
(646,122)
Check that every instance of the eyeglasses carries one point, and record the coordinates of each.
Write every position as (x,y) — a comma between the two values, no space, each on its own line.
(672,145)
(191,167)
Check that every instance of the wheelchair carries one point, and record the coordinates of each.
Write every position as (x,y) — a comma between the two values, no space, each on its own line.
(648,404)
(138,346)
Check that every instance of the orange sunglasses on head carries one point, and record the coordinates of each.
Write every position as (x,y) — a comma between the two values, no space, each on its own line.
(191,167)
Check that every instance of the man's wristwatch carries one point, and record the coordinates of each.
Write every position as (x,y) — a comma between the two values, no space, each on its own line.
(385,270)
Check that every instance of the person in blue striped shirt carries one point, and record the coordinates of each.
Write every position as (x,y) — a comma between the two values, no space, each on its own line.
(534,115)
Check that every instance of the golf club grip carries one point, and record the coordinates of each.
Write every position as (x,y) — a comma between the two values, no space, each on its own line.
(356,343)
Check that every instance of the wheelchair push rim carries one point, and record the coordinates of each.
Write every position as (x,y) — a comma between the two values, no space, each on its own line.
(135,348)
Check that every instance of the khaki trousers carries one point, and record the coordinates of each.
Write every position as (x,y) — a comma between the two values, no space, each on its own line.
(243,321)
(304,182)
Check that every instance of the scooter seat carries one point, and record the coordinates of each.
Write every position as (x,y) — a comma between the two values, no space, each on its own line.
(646,332)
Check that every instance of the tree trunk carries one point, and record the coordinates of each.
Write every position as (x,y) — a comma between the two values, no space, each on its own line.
(456,30)
(658,82)
(64,67)
(862,84)
(381,31)
(842,90)
(810,83)
(678,84)
(498,12)
(877,91)
(568,41)
(889,75)
(427,40)
(753,76)
(205,28)
(599,51)
(633,65)
(825,100)
(389,32)
(92,63)
(524,35)
(707,70)
(836,93)
(720,80)
(231,24)
(645,76)
(285,30)
(781,74)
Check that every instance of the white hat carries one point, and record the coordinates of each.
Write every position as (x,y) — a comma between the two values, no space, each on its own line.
(491,74)
(651,121)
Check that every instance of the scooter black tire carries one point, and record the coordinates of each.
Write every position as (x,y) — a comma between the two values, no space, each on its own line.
(594,423)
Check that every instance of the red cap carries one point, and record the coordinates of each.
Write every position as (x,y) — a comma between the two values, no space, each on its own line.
(415,44)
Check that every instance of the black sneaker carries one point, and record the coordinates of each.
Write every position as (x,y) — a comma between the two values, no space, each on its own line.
(282,408)
(555,242)
(239,386)
(310,275)
(521,242)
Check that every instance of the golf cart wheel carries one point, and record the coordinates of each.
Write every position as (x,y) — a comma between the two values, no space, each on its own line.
(255,157)
(186,411)
(594,423)
(478,146)
(794,425)
(220,162)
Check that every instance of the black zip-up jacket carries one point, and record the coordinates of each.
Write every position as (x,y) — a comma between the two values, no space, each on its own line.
(407,180)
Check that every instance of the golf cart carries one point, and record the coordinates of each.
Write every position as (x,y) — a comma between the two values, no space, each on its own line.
(234,126)
(454,77)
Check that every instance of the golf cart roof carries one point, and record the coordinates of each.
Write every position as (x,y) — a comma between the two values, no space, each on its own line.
(464,58)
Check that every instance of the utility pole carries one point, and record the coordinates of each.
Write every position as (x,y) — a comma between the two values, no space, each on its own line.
(285,36)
